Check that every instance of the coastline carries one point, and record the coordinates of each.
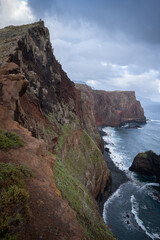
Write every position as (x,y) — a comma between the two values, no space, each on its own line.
(117,178)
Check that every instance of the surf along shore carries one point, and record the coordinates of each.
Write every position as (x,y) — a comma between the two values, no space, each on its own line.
(117,178)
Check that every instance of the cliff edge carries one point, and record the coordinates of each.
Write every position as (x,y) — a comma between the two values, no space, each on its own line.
(41,108)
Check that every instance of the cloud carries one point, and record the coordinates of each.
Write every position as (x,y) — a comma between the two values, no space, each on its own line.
(15,12)
(139,19)
(105,62)
(111,45)
(92,83)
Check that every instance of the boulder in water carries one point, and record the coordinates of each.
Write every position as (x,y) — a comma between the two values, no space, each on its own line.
(107,149)
(147,163)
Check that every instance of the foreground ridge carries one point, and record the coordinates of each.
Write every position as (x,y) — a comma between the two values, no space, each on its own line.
(40,104)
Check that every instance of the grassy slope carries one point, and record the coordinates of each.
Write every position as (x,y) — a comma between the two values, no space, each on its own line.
(13,195)
(69,174)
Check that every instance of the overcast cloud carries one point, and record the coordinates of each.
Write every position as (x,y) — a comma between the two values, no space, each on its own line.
(109,44)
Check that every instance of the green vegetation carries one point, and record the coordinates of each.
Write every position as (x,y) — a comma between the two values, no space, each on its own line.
(83,157)
(80,156)
(142,155)
(10,140)
(81,201)
(53,122)
(60,142)
(49,130)
(13,199)
(51,118)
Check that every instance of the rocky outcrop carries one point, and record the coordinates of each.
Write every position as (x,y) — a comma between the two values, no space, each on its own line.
(147,163)
(110,108)
(117,107)
(36,93)
(28,47)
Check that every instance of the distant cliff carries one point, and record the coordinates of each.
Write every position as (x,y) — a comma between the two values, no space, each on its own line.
(40,104)
(113,108)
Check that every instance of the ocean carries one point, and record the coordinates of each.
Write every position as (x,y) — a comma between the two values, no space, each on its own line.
(133,211)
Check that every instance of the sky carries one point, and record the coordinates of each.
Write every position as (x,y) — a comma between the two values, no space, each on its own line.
(108,44)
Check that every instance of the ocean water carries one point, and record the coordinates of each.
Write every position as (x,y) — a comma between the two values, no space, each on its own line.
(133,211)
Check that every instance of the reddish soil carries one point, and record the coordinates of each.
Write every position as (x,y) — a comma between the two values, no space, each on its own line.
(50,216)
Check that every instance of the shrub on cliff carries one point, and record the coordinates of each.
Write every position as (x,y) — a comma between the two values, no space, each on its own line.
(10,140)
(13,199)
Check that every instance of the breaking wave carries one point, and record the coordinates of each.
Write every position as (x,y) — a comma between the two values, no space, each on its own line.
(135,211)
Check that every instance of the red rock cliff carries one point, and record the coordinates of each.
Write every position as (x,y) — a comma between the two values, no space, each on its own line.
(109,108)
(37,95)
(115,108)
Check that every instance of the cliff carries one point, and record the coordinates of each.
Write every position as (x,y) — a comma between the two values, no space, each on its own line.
(117,107)
(41,108)
(112,108)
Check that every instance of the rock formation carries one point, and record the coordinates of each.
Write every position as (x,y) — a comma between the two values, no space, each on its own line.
(147,163)
(58,125)
(116,108)
(113,108)
(40,103)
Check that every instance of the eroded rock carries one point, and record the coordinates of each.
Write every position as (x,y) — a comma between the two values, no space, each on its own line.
(147,163)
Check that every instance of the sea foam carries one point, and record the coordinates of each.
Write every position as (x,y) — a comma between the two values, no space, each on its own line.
(109,201)
(135,211)
(112,141)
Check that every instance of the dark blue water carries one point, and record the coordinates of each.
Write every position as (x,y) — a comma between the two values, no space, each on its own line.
(133,211)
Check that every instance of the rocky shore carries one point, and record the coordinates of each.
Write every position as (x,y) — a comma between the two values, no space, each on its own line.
(117,177)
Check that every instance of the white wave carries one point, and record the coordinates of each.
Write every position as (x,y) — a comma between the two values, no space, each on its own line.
(125,126)
(118,159)
(109,201)
(112,142)
(157,121)
(135,210)
(150,184)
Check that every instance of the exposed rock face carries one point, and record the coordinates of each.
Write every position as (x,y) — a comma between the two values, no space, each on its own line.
(110,108)
(147,163)
(87,114)
(118,107)
(36,93)
(29,48)
(32,63)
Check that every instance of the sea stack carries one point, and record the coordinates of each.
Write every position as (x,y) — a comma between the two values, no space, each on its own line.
(147,163)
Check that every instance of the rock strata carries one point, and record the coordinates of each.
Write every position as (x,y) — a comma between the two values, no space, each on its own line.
(147,163)
(40,103)
(112,108)
(117,107)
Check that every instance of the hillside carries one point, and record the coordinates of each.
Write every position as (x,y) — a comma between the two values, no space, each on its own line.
(67,172)
(52,167)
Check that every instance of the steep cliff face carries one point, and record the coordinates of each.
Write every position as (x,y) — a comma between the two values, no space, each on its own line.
(36,93)
(109,108)
(115,108)
(50,90)
(87,113)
